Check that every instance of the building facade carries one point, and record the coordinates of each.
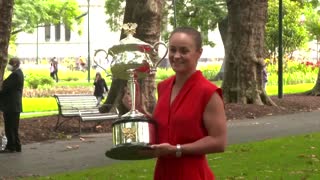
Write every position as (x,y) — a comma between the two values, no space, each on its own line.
(58,41)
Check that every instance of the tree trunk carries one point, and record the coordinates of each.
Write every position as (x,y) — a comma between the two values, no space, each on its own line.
(245,52)
(223,29)
(316,89)
(147,14)
(6,9)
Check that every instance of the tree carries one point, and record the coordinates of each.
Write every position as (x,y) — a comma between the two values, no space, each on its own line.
(245,52)
(294,34)
(312,22)
(201,14)
(6,9)
(147,14)
(16,19)
(25,15)
(41,12)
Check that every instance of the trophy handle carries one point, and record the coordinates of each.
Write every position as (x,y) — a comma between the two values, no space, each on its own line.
(157,44)
(106,58)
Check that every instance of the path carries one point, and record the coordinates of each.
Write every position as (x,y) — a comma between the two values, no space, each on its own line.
(60,156)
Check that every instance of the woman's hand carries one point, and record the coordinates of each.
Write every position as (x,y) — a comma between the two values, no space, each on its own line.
(163,149)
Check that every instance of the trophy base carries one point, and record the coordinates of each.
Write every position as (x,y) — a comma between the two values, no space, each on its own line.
(130,152)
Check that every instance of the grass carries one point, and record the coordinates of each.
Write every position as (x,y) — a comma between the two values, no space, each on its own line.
(49,103)
(290,89)
(41,104)
(293,157)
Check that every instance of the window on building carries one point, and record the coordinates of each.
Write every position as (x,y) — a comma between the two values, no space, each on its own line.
(57,31)
(67,33)
(47,32)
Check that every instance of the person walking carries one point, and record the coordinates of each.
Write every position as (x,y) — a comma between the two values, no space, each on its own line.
(82,63)
(189,112)
(100,87)
(11,100)
(54,69)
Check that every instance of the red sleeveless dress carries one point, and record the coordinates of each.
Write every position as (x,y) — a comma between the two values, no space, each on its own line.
(181,123)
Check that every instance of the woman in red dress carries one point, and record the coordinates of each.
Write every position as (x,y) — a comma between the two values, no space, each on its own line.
(189,112)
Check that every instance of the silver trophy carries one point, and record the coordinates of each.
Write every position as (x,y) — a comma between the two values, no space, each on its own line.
(136,62)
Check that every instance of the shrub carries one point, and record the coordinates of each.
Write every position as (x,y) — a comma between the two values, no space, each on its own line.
(34,80)
(163,73)
(71,78)
(210,71)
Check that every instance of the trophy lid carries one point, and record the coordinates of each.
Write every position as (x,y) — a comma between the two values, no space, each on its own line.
(130,43)
(131,53)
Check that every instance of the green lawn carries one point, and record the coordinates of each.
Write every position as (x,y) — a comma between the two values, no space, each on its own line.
(292,158)
(49,104)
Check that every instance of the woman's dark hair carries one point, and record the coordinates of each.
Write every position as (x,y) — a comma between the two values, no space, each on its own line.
(98,74)
(192,32)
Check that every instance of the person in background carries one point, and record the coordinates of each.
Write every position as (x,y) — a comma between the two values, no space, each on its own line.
(100,87)
(82,64)
(11,98)
(264,77)
(189,112)
(54,69)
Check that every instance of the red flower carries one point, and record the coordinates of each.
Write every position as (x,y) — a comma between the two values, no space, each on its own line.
(308,63)
(144,48)
(145,68)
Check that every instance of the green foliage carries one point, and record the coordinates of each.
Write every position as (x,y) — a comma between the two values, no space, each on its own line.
(71,78)
(64,74)
(35,80)
(294,34)
(28,14)
(210,71)
(163,73)
(201,14)
(115,11)
(297,78)
(293,73)
(312,22)
(46,104)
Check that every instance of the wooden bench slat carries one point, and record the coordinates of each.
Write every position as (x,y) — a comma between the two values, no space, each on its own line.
(99,117)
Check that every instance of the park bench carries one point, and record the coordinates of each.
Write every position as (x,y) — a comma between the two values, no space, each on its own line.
(82,106)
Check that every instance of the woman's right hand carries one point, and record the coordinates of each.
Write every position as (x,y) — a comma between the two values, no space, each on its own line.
(163,149)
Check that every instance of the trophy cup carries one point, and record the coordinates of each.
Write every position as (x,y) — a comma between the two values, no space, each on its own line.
(135,61)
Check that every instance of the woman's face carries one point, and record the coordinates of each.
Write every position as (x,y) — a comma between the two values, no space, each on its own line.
(183,54)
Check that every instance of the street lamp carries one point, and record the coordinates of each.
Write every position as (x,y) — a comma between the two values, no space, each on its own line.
(89,64)
(280,74)
(174,13)
(37,53)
